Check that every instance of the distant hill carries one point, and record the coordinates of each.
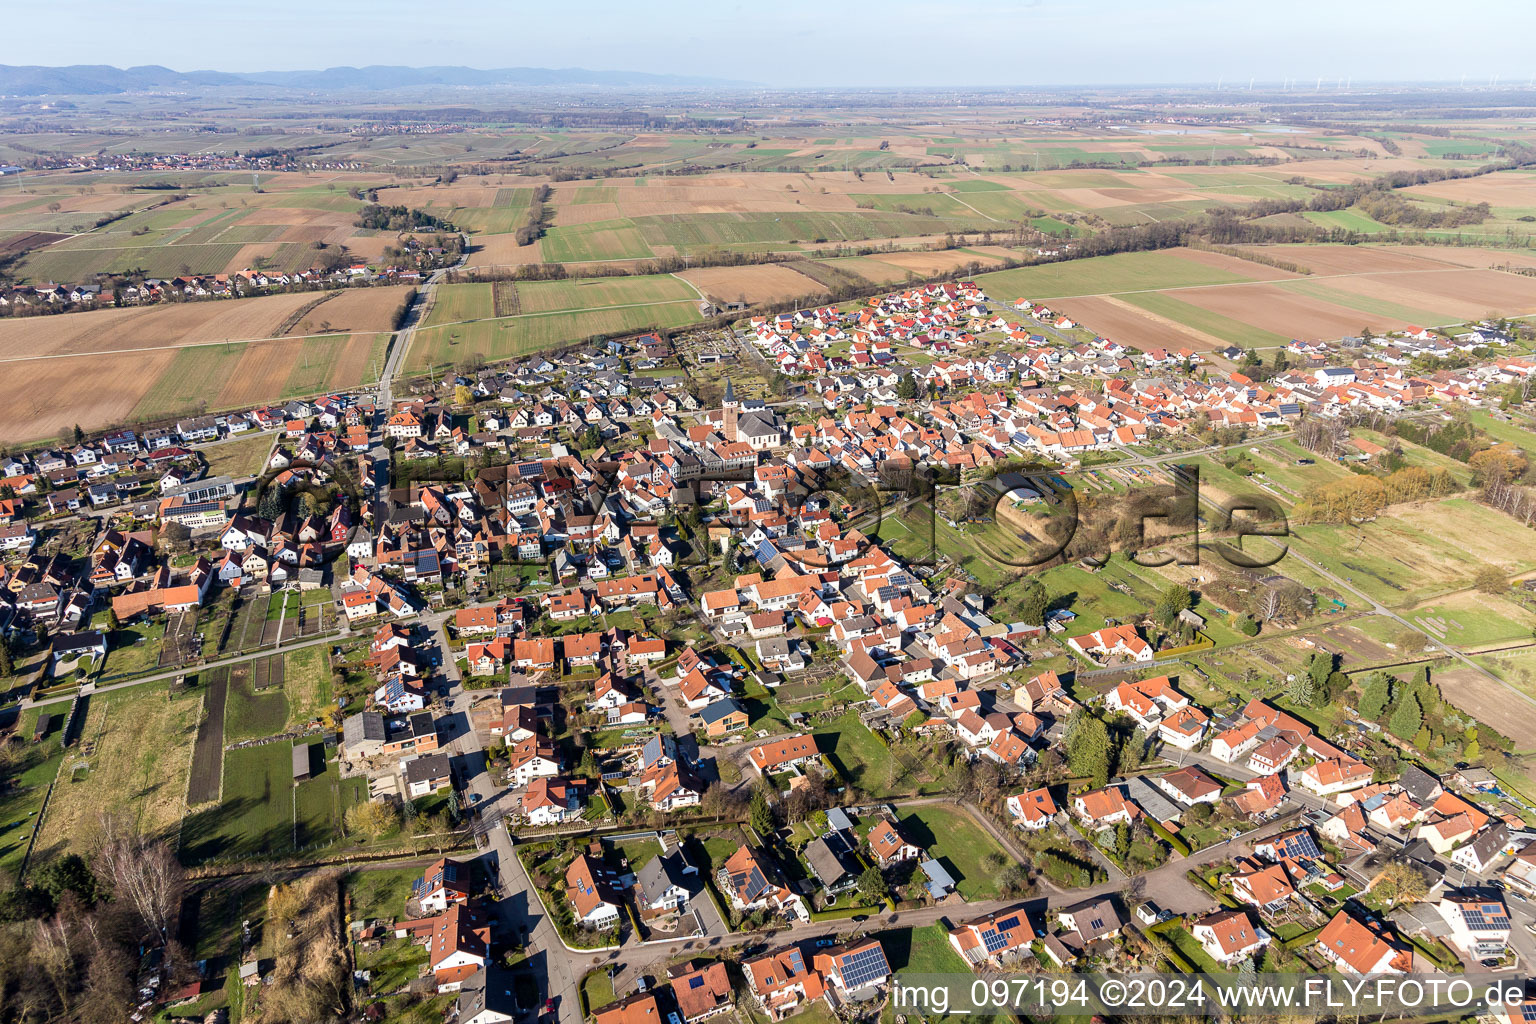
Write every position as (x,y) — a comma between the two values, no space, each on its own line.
(102,80)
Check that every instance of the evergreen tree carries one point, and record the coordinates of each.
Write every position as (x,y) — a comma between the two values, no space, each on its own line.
(1374,698)
(1301,691)
(760,813)
(871,886)
(1088,748)
(1034,603)
(7,666)
(1406,717)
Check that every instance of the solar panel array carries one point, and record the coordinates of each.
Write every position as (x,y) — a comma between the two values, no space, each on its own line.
(697,981)
(865,966)
(795,961)
(1528,1011)
(1485,917)
(1299,844)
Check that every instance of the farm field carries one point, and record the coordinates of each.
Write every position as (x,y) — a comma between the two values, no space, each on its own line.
(768,282)
(596,293)
(134,756)
(510,337)
(263,813)
(1206,300)
(1401,558)
(1515,667)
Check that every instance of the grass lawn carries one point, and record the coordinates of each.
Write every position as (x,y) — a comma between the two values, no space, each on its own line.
(923,950)
(255,817)
(379,893)
(1191,950)
(24,797)
(855,752)
(243,456)
(249,715)
(307,684)
(954,839)
(1475,618)
(134,649)
(597,989)
(140,744)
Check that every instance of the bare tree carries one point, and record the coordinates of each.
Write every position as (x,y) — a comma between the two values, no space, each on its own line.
(144,874)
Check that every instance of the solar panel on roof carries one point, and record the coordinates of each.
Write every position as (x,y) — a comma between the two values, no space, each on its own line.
(993,940)
(795,962)
(864,967)
(1008,923)
(1528,1011)
(697,981)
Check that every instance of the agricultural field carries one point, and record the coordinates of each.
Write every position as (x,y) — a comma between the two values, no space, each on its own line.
(770,282)
(509,337)
(134,756)
(213,227)
(102,367)
(263,813)
(1206,301)
(1401,558)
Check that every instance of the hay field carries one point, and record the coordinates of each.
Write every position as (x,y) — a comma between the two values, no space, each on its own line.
(597,292)
(1180,297)
(40,398)
(926,264)
(165,325)
(510,337)
(353,310)
(134,757)
(769,282)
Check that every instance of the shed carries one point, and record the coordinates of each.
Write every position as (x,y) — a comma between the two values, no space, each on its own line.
(300,762)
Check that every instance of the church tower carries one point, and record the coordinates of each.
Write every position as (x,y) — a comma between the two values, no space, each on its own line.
(728,412)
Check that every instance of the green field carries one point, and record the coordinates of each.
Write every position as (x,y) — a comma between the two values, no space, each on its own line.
(953,838)
(510,337)
(249,715)
(1223,327)
(1402,559)
(1102,275)
(454,303)
(595,293)
(1474,618)
(600,240)
(262,812)
(723,230)
(1518,668)
(153,260)
(183,386)
(509,212)
(23,796)
(1348,220)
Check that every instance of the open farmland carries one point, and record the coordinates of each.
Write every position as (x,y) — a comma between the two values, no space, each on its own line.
(133,758)
(509,337)
(107,366)
(1207,300)
(597,292)
(769,282)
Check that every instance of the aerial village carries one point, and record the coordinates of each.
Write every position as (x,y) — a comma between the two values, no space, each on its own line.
(669,690)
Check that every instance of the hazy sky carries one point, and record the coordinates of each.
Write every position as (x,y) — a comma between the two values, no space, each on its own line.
(810,42)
